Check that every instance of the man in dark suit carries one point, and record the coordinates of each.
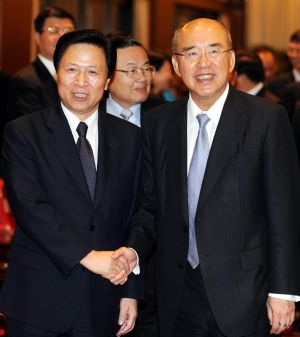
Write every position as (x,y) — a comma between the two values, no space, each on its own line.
(71,204)
(34,87)
(278,85)
(227,257)
(130,85)
(129,90)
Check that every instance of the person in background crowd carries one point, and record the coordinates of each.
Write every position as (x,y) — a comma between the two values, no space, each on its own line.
(34,87)
(130,85)
(249,75)
(278,85)
(162,76)
(269,60)
(220,200)
(70,172)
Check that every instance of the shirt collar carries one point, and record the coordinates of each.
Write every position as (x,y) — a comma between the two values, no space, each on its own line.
(255,90)
(73,120)
(48,64)
(296,74)
(113,106)
(214,112)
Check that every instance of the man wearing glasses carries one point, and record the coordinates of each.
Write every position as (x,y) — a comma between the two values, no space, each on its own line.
(130,85)
(220,200)
(34,87)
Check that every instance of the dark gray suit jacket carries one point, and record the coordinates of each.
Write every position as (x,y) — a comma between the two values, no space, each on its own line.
(247,221)
(57,223)
(31,89)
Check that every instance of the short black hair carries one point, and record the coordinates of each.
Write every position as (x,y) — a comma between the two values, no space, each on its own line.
(157,59)
(88,36)
(295,37)
(51,12)
(250,64)
(120,41)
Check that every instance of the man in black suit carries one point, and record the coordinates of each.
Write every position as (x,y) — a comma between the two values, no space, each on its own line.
(34,87)
(228,267)
(278,85)
(71,204)
(129,90)
(130,85)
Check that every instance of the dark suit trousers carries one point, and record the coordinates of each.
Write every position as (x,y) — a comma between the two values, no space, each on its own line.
(81,327)
(195,318)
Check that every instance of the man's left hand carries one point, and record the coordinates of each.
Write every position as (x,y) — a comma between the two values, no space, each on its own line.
(281,314)
(127,316)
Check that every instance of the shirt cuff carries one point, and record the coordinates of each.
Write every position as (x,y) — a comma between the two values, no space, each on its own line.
(294,298)
(136,269)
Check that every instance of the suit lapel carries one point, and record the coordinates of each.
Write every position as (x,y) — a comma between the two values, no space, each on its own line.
(107,149)
(62,142)
(231,126)
(176,135)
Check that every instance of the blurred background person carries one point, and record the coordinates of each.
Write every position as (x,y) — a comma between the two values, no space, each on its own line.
(279,84)
(34,87)
(249,75)
(269,60)
(162,77)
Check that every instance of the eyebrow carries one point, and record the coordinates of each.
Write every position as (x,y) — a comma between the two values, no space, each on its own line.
(130,63)
(210,45)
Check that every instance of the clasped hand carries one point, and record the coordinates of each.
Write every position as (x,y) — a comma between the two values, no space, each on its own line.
(112,265)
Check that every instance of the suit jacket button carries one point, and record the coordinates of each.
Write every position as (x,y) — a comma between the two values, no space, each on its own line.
(92,227)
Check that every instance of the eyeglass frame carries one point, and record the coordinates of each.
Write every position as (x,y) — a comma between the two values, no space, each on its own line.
(56,30)
(206,53)
(143,70)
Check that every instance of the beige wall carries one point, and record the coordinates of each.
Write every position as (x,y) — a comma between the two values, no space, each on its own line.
(271,22)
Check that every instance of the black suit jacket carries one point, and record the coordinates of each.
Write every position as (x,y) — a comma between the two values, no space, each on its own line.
(247,221)
(277,85)
(57,223)
(31,89)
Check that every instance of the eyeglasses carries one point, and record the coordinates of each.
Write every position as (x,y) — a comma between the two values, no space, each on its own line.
(57,30)
(193,55)
(134,72)
(293,51)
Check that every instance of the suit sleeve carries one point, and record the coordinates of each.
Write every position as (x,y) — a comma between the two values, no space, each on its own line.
(282,191)
(142,227)
(43,227)
(23,98)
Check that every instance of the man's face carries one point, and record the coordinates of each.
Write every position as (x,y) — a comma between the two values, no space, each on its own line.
(128,91)
(293,53)
(205,77)
(53,29)
(82,78)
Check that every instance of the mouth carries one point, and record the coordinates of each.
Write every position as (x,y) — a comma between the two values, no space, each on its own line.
(80,95)
(204,77)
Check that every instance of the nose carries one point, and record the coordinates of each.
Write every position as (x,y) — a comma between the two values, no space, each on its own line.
(81,78)
(140,76)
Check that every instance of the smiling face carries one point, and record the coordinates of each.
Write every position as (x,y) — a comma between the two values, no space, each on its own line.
(206,78)
(82,78)
(130,91)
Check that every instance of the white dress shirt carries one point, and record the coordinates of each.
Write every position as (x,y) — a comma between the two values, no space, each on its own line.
(92,131)
(113,108)
(214,114)
(48,64)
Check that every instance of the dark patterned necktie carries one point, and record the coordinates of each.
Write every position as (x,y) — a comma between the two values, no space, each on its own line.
(86,157)
(195,178)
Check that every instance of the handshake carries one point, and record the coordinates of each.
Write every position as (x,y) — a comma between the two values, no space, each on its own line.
(112,265)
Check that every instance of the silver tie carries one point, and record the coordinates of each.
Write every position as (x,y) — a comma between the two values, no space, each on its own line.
(126,114)
(195,178)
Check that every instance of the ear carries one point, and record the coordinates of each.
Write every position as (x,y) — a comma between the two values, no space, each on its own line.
(106,84)
(175,65)
(37,38)
(232,61)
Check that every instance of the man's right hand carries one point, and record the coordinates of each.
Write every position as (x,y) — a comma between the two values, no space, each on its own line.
(101,263)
